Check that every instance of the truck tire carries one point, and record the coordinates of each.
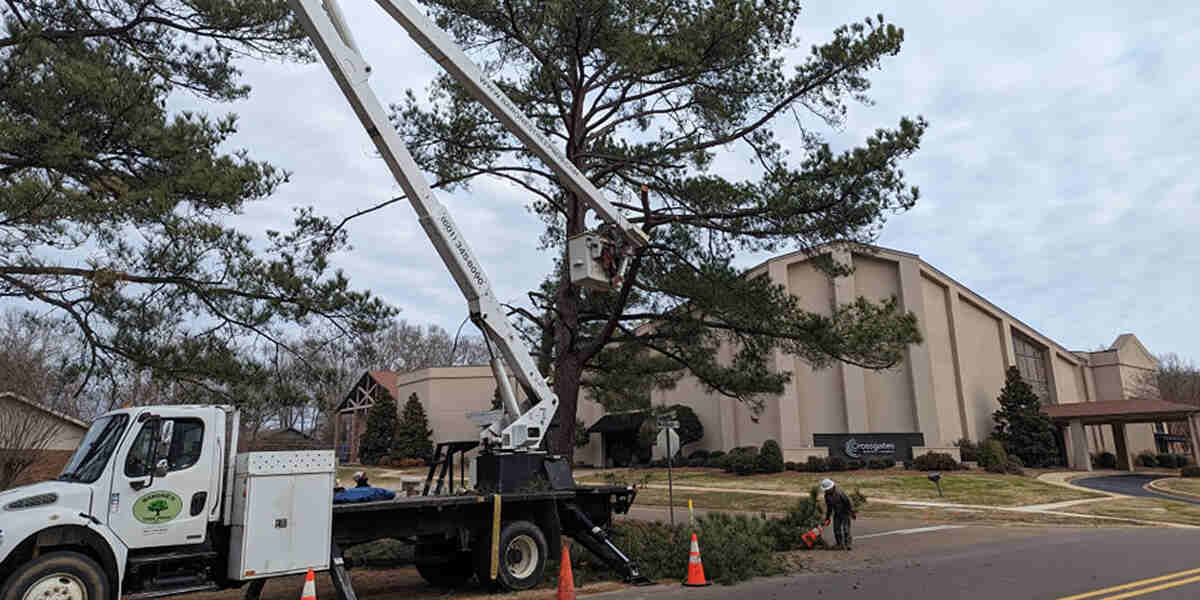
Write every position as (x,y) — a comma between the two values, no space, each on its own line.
(523,553)
(59,576)
(450,574)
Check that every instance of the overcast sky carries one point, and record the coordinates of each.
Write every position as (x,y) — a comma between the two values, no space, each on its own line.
(1059,174)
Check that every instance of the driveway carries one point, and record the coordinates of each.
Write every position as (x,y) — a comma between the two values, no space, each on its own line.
(1129,485)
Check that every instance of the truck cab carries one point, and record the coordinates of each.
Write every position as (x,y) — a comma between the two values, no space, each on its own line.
(135,511)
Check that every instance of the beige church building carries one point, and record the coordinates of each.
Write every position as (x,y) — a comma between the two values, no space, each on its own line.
(945,389)
(947,386)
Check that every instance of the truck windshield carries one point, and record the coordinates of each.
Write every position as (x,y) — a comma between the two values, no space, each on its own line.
(87,464)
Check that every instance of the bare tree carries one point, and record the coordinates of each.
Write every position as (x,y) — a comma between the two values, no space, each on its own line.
(403,347)
(25,432)
(1177,380)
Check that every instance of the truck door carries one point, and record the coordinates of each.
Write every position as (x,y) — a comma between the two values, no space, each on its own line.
(149,509)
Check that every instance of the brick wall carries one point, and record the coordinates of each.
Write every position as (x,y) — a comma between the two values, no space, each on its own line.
(48,465)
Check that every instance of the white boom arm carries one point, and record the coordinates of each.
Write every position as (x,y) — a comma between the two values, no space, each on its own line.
(326,27)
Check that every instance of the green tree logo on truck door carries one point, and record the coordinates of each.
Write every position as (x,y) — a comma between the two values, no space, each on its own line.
(157,507)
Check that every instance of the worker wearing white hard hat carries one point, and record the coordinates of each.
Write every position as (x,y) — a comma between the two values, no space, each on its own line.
(840,510)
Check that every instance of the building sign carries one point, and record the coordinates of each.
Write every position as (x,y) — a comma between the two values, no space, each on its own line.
(862,446)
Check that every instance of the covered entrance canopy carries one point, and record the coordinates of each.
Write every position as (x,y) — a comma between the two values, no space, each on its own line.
(1118,413)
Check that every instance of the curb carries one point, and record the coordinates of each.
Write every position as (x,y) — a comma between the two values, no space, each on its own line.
(1150,487)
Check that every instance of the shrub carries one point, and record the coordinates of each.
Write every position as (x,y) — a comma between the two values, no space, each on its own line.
(715,454)
(855,464)
(1014,466)
(1167,461)
(1190,471)
(697,462)
(703,454)
(816,464)
(1182,460)
(770,458)
(991,455)
(790,466)
(1147,459)
(748,450)
(1106,460)
(786,531)
(884,462)
(968,450)
(745,464)
(936,461)
(836,463)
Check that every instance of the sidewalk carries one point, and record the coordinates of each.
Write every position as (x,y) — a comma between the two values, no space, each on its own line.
(1054,509)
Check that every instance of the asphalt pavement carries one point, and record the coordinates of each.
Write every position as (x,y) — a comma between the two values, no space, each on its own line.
(983,563)
(1129,485)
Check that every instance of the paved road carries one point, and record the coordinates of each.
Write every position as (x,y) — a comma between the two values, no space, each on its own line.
(1130,485)
(991,564)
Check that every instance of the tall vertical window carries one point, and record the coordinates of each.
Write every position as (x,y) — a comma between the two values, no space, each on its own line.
(1031,362)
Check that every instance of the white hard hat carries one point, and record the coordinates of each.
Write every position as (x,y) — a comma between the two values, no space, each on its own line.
(827,484)
(358,475)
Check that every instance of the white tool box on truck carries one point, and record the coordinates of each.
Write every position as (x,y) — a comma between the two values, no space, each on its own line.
(282,513)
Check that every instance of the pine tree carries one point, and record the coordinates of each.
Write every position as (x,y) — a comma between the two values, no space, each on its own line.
(1021,426)
(652,92)
(413,433)
(377,440)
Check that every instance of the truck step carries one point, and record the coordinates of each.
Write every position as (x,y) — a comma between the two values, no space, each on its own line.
(160,593)
(154,559)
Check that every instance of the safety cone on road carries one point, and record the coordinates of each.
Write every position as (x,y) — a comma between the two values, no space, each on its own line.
(310,587)
(566,579)
(695,575)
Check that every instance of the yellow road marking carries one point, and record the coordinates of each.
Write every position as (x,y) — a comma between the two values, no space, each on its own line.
(1154,589)
(1133,584)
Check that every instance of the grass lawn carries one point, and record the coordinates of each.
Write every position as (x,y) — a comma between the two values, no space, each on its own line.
(1186,485)
(1148,509)
(962,487)
(751,502)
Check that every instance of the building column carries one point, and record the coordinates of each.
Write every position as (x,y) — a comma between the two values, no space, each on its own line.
(920,363)
(1077,445)
(1194,433)
(854,386)
(1124,460)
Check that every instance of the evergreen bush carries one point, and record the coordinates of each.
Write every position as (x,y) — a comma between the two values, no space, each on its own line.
(968,450)
(936,461)
(1147,458)
(1106,460)
(376,442)
(1021,425)
(770,458)
(412,439)
(836,463)
(817,464)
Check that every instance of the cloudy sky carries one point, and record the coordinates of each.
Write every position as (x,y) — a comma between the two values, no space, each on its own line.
(1059,175)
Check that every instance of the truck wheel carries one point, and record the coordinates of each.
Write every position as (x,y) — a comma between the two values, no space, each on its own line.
(523,553)
(451,574)
(58,576)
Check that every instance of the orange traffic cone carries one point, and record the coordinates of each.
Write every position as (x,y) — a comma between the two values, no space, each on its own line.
(695,576)
(566,579)
(310,587)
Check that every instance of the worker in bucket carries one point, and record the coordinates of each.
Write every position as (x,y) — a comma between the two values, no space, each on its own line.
(838,508)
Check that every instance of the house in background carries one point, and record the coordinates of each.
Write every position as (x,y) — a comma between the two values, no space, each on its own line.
(29,427)
(945,389)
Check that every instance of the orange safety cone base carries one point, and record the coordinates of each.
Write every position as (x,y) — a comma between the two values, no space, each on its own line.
(566,579)
(695,576)
(310,587)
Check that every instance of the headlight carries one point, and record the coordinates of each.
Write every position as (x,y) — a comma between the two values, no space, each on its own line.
(32,501)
